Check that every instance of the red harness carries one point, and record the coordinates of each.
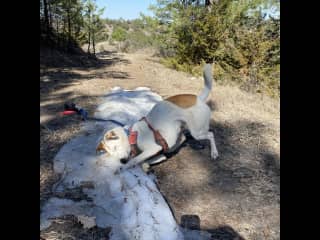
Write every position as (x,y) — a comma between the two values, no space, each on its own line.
(133,135)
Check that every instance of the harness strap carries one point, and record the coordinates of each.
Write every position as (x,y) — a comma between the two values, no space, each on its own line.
(133,135)
(157,136)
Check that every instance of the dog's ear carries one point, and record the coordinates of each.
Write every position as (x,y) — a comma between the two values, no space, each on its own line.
(101,147)
(111,135)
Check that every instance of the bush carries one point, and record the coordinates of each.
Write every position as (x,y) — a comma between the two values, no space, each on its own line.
(136,40)
(245,47)
(119,34)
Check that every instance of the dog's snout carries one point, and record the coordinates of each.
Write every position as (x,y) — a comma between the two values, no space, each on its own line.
(124,160)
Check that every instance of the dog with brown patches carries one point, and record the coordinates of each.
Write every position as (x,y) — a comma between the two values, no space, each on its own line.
(162,129)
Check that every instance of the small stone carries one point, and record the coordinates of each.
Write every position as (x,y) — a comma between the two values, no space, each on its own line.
(86,221)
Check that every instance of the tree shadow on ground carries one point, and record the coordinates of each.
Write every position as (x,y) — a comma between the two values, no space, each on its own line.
(241,156)
(58,71)
(244,179)
(225,232)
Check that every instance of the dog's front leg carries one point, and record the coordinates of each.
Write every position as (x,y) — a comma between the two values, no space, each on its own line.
(142,156)
(153,160)
(157,159)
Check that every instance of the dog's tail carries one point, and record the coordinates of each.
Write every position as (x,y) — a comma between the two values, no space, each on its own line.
(207,75)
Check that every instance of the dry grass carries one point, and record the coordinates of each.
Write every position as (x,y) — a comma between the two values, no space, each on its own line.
(239,191)
(68,227)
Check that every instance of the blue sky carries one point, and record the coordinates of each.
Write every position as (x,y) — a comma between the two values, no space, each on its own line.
(127,9)
(130,9)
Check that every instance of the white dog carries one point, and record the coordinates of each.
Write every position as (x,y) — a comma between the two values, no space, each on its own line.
(162,129)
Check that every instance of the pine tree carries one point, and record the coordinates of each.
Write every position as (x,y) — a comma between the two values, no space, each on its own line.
(69,22)
(93,23)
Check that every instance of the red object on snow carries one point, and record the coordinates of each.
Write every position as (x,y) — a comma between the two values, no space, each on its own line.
(68,112)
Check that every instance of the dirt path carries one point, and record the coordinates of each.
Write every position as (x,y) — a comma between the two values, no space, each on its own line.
(236,195)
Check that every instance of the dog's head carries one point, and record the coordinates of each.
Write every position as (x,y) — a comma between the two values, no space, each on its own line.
(114,143)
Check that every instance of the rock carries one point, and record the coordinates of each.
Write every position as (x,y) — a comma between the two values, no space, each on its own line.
(87,222)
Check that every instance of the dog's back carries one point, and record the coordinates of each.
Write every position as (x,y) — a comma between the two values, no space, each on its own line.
(184,106)
(183,100)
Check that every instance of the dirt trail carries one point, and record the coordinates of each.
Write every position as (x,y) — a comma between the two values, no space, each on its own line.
(236,195)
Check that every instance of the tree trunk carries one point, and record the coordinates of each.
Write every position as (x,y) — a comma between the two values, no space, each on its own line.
(50,16)
(46,16)
(93,44)
(57,30)
(57,25)
(64,39)
(89,41)
(89,29)
(209,3)
(69,24)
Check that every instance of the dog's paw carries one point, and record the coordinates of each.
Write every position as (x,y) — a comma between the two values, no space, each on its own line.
(117,172)
(214,155)
(146,167)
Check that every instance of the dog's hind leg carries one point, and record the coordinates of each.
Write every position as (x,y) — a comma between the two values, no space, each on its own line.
(208,136)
